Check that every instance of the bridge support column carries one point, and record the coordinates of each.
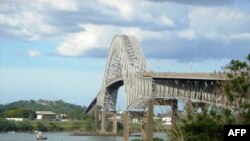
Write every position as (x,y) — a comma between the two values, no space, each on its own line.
(114,124)
(147,127)
(103,120)
(96,114)
(204,107)
(188,108)
(126,126)
(174,104)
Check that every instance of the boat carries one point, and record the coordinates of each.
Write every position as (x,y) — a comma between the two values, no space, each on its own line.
(43,138)
(39,136)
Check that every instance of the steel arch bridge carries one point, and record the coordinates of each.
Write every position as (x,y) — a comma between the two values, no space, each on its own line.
(126,65)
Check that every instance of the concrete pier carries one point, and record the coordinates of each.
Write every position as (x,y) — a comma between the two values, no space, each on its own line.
(126,126)
(147,127)
(103,122)
(114,130)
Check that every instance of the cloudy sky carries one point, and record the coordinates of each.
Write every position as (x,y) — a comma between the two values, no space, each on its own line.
(57,49)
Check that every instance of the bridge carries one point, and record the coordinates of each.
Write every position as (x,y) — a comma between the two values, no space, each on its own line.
(126,65)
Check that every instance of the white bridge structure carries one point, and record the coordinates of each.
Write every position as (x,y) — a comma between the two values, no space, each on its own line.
(126,65)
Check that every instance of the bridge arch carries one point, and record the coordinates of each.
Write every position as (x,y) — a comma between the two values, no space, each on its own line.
(125,62)
(126,65)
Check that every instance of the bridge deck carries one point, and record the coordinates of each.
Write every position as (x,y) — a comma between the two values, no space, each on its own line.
(199,76)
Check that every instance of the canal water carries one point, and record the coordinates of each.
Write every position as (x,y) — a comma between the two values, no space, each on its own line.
(64,136)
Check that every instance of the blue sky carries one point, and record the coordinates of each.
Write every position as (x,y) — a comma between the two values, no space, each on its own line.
(58,49)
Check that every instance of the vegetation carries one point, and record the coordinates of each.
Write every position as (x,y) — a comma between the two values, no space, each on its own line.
(135,127)
(78,120)
(24,126)
(79,125)
(19,113)
(73,112)
(238,89)
(196,126)
(6,125)
(42,127)
(89,124)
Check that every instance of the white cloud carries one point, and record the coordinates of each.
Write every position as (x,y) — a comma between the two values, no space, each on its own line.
(62,5)
(241,36)
(166,21)
(187,34)
(29,25)
(33,53)
(28,53)
(67,5)
(93,36)
(142,35)
(125,7)
(218,23)
(4,20)
(99,36)
(155,24)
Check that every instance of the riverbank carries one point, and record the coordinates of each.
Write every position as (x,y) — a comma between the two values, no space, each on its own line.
(74,126)
(95,134)
(56,136)
(45,125)
(65,136)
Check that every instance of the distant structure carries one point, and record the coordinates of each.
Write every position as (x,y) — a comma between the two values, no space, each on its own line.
(167,120)
(41,115)
(16,119)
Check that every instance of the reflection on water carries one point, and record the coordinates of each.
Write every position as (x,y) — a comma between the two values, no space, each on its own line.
(63,136)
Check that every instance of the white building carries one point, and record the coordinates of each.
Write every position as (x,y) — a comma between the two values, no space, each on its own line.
(166,120)
(46,115)
(135,120)
(16,119)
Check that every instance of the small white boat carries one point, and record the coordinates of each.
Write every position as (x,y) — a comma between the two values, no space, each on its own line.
(40,136)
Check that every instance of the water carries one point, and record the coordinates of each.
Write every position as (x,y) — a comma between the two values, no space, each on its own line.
(63,136)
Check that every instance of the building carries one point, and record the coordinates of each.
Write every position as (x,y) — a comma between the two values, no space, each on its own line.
(167,120)
(16,119)
(135,120)
(46,115)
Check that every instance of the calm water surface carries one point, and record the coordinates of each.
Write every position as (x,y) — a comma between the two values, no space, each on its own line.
(63,136)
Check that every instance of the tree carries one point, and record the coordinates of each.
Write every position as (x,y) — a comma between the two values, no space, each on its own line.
(24,126)
(206,127)
(6,125)
(18,113)
(89,124)
(41,127)
(238,88)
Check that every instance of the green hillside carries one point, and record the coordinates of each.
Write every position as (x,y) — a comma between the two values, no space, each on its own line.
(60,107)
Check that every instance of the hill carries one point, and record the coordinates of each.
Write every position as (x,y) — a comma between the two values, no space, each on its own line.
(60,107)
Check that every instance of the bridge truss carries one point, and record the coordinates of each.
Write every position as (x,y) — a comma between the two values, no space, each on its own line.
(126,65)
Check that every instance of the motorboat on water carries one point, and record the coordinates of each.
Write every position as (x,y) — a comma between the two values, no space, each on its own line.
(40,136)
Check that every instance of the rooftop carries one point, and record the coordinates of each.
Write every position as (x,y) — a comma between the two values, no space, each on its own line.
(45,113)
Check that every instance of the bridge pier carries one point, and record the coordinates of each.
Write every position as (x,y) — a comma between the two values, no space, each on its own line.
(174,104)
(114,130)
(96,115)
(104,115)
(103,122)
(204,107)
(147,127)
(126,126)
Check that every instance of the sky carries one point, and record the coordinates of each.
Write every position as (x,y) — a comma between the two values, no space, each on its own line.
(57,49)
